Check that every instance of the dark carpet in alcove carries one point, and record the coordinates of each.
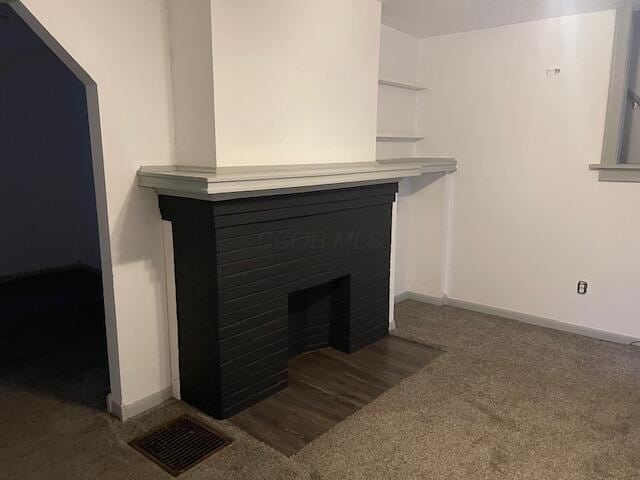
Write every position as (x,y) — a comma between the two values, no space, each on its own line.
(52,336)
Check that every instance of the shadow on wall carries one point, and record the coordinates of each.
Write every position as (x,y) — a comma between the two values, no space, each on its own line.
(138,217)
(47,195)
(414,184)
(132,228)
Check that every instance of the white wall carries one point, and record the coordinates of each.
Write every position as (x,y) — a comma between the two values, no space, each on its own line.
(123,45)
(423,205)
(295,82)
(528,218)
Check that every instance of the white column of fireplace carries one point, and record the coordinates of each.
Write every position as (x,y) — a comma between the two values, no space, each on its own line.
(274,83)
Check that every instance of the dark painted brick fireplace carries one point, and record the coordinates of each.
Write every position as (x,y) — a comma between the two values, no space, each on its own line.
(261,280)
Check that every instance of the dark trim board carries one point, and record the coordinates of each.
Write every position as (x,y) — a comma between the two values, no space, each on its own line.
(237,263)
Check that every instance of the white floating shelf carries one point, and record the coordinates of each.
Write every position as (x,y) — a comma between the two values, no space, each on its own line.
(398,84)
(398,137)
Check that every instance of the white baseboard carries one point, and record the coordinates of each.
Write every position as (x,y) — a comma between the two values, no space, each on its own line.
(401,297)
(124,412)
(521,317)
(419,297)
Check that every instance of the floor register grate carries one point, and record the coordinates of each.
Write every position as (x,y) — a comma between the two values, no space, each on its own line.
(180,444)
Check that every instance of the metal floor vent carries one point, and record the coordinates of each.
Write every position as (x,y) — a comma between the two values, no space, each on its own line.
(180,444)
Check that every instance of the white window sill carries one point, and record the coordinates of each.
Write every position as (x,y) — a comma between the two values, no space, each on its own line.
(622,172)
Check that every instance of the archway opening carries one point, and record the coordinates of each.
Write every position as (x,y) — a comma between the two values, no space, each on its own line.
(52,318)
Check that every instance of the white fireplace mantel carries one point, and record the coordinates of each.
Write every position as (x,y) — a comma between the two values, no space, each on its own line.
(233,182)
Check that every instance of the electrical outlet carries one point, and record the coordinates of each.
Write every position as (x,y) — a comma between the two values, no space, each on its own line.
(582,287)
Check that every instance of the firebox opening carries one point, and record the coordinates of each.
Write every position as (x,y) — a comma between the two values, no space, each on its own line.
(318,316)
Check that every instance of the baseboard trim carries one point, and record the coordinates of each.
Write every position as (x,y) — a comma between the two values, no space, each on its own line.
(114,408)
(522,317)
(419,297)
(125,412)
(401,297)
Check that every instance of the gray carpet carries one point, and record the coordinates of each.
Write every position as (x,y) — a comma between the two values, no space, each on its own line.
(507,401)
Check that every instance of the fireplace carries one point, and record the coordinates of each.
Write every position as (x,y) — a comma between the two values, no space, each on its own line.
(261,280)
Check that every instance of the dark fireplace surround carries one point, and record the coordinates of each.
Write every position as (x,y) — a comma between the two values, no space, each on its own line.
(261,280)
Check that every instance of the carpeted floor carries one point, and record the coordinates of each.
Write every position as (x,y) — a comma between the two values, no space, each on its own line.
(507,401)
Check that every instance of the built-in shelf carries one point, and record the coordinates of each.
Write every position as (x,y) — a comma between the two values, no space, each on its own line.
(399,84)
(398,137)
(235,182)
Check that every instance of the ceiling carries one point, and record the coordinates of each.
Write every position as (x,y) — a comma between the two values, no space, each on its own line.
(428,18)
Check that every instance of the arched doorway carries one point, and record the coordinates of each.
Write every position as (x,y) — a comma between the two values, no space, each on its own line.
(57,314)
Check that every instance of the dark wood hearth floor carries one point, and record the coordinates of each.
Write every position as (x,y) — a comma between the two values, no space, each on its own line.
(326,386)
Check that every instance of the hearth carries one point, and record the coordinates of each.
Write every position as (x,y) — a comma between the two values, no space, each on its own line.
(261,280)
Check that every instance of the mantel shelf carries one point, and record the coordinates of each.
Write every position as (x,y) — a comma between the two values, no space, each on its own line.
(398,137)
(401,84)
(428,164)
(236,182)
